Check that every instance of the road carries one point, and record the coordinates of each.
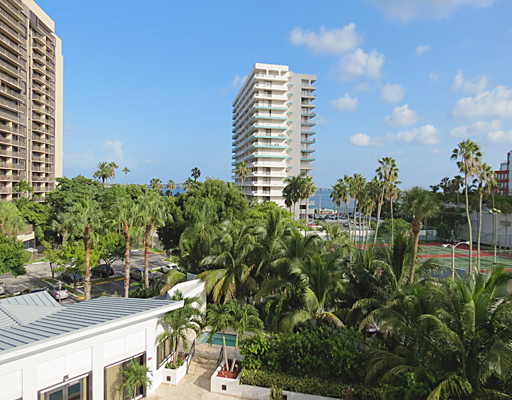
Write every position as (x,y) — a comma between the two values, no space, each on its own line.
(37,272)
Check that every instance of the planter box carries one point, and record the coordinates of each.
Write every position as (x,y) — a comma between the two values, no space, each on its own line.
(233,387)
(174,376)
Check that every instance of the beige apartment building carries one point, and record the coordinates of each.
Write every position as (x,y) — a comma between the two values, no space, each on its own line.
(273,131)
(31,91)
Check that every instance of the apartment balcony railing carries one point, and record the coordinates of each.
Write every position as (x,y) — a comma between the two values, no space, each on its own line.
(39,128)
(50,63)
(13,105)
(12,20)
(38,118)
(15,10)
(43,139)
(14,178)
(15,81)
(39,78)
(43,169)
(11,92)
(22,153)
(14,46)
(49,160)
(38,46)
(17,130)
(14,142)
(12,117)
(50,84)
(38,58)
(11,31)
(36,178)
(37,35)
(18,60)
(6,190)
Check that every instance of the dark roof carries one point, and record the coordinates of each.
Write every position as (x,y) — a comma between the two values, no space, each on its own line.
(76,317)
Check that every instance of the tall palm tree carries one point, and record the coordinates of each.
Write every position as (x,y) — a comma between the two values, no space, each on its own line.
(156,184)
(469,155)
(346,199)
(177,323)
(420,204)
(387,173)
(113,166)
(445,185)
(306,190)
(291,191)
(219,318)
(125,211)
(84,220)
(188,184)
(195,173)
(486,180)
(230,264)
(23,187)
(134,376)
(242,171)
(170,187)
(457,182)
(245,319)
(125,170)
(103,172)
(357,185)
(152,214)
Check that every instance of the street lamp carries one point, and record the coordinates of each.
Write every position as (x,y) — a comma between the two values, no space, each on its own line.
(495,212)
(453,246)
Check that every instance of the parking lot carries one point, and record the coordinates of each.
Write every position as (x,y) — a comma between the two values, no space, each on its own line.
(33,279)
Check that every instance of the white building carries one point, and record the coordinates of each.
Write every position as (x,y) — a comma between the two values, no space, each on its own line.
(77,352)
(273,130)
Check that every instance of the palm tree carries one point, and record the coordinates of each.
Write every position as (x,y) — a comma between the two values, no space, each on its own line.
(393,195)
(103,172)
(177,323)
(84,219)
(242,171)
(469,155)
(125,170)
(156,184)
(387,172)
(245,319)
(219,318)
(134,376)
(357,185)
(486,180)
(307,189)
(456,184)
(152,214)
(230,263)
(188,184)
(445,185)
(170,187)
(23,187)
(291,192)
(11,220)
(420,204)
(113,166)
(195,173)
(125,212)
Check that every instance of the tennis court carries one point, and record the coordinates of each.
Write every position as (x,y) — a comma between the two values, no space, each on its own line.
(443,256)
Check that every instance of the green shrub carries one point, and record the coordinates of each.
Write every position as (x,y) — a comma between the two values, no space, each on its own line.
(175,365)
(254,349)
(309,385)
(276,393)
(320,352)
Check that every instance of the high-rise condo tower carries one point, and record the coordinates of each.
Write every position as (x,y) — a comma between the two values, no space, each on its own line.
(31,72)
(273,131)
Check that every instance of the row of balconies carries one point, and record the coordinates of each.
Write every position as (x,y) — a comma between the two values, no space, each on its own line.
(43,159)
(14,58)
(8,79)
(43,139)
(42,188)
(14,34)
(13,9)
(41,148)
(13,21)
(13,46)
(12,93)
(260,134)
(19,153)
(19,130)
(13,178)
(14,141)
(11,116)
(41,128)
(11,165)
(42,178)
(42,169)
(13,105)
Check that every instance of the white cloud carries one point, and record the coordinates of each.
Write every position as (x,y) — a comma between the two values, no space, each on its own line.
(115,152)
(402,116)
(478,128)
(321,120)
(497,102)
(361,139)
(362,87)
(345,103)
(422,49)
(434,76)
(327,41)
(393,93)
(425,135)
(79,160)
(406,10)
(358,63)
(500,137)
(238,82)
(436,151)
(469,86)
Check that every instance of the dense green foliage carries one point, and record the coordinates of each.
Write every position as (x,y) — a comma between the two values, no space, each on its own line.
(13,256)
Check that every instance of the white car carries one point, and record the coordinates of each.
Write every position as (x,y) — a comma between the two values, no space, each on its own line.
(168,267)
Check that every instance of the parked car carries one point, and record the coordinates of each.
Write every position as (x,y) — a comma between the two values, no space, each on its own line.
(2,290)
(168,267)
(103,270)
(71,277)
(138,274)
(57,294)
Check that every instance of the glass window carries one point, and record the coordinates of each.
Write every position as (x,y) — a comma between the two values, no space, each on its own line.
(114,378)
(163,352)
(77,389)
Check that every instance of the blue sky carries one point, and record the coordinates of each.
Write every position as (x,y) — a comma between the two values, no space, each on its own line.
(149,84)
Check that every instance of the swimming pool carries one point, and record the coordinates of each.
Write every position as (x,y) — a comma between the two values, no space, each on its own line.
(217,339)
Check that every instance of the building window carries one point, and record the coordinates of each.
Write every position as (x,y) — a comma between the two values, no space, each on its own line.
(163,352)
(74,389)
(113,374)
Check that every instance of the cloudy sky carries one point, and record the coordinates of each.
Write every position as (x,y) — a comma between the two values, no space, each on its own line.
(149,84)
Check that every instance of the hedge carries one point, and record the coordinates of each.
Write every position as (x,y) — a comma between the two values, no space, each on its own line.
(314,386)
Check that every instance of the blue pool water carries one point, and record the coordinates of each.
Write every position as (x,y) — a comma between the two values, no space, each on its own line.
(217,339)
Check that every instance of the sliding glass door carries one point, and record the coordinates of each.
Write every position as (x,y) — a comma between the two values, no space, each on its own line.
(76,389)
(114,379)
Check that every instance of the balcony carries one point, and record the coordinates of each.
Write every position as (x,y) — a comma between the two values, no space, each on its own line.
(8,165)
(13,178)
(10,93)
(11,116)
(43,139)
(42,129)
(13,105)
(39,78)
(313,114)
(10,153)
(308,123)
(41,178)
(13,142)
(308,141)
(15,11)
(13,22)
(42,169)
(18,60)
(17,130)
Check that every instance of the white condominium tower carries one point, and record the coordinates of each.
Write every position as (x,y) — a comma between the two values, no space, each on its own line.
(273,130)
(31,72)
